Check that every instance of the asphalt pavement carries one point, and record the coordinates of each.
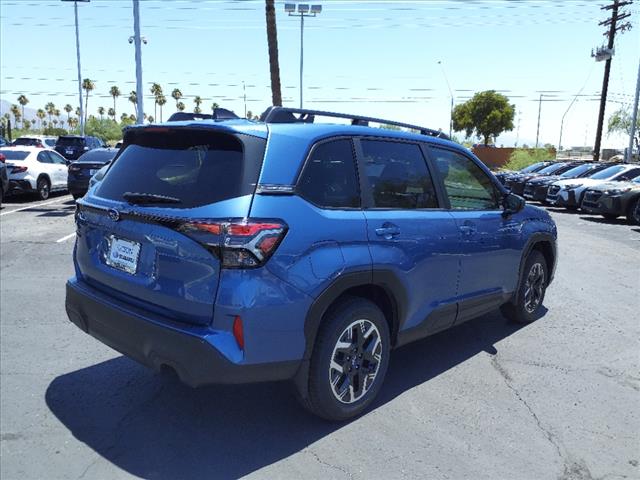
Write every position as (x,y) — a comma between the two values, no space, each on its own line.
(557,399)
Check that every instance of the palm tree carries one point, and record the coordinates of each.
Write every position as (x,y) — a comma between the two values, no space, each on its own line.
(156,91)
(180,106)
(272,40)
(133,98)
(49,108)
(177,95)
(161,100)
(73,122)
(101,112)
(26,124)
(68,108)
(115,93)
(214,106)
(124,117)
(87,86)
(78,112)
(40,114)
(55,123)
(22,100)
(16,114)
(112,113)
(56,113)
(197,100)
(150,119)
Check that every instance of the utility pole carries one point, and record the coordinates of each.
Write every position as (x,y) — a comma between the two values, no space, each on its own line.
(606,53)
(137,40)
(634,118)
(539,111)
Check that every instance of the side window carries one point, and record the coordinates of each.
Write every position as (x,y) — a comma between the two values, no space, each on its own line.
(329,177)
(398,175)
(629,174)
(43,158)
(467,186)
(55,158)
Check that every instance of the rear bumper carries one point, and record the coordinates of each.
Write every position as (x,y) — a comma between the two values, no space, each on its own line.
(18,186)
(195,353)
(79,187)
(537,193)
(606,205)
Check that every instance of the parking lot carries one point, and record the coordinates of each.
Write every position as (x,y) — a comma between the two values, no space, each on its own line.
(557,399)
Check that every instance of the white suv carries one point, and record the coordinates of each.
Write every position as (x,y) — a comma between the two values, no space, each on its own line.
(35,170)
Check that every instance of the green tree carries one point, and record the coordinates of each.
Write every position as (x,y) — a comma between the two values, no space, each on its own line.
(114,91)
(214,106)
(177,95)
(15,110)
(272,42)
(620,122)
(26,124)
(56,113)
(50,108)
(180,106)
(156,91)
(161,100)
(133,98)
(150,119)
(487,114)
(68,108)
(40,113)
(197,100)
(124,117)
(112,113)
(87,85)
(101,112)
(104,129)
(23,100)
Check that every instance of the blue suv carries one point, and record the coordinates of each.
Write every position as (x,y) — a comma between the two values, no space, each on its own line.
(234,251)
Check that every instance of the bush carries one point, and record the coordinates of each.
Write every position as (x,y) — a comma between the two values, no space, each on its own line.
(105,129)
(523,157)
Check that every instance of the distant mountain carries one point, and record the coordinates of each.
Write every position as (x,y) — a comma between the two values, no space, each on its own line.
(29,113)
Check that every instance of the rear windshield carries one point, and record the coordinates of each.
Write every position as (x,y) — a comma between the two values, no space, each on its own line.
(27,141)
(97,156)
(70,141)
(198,167)
(608,172)
(50,142)
(14,155)
(576,171)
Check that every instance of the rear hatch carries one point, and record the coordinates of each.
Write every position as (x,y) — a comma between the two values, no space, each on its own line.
(146,235)
(70,147)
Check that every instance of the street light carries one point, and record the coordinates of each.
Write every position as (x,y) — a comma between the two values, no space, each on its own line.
(304,10)
(75,9)
(450,94)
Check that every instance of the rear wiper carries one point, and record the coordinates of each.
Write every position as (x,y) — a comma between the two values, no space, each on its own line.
(144,198)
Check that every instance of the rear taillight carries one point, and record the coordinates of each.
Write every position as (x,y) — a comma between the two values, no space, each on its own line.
(74,168)
(238,244)
(2,158)
(19,169)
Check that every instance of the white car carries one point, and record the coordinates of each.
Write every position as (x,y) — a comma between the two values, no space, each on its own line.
(569,193)
(34,141)
(35,170)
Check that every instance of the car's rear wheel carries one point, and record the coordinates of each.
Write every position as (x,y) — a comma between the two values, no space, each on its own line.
(609,216)
(525,308)
(43,188)
(349,361)
(633,212)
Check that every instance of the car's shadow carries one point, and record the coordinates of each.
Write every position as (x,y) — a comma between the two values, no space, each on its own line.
(609,221)
(154,427)
(22,198)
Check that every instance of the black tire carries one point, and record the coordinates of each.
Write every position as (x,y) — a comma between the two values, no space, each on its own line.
(609,216)
(526,308)
(633,211)
(347,322)
(572,208)
(43,188)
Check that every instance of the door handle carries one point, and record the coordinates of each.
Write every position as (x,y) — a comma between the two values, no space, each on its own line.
(388,231)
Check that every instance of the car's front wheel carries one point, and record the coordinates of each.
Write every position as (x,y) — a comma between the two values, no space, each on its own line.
(633,212)
(526,306)
(349,361)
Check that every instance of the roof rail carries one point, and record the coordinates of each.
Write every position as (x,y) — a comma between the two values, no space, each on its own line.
(287,115)
(218,114)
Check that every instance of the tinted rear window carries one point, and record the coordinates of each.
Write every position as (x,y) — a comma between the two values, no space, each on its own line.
(27,141)
(14,155)
(98,156)
(70,141)
(198,167)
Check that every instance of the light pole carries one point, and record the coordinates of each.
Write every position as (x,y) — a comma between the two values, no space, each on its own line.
(634,118)
(75,10)
(137,40)
(451,95)
(304,10)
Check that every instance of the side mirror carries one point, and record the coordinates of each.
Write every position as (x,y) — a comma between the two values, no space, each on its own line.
(512,203)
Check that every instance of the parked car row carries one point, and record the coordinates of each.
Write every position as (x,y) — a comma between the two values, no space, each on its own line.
(609,189)
(36,169)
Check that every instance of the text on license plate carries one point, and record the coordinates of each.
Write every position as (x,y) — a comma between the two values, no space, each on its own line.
(123,255)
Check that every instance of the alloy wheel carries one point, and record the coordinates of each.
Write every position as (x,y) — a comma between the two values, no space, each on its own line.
(534,288)
(355,361)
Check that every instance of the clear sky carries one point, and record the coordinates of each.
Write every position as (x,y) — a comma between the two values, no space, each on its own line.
(376,58)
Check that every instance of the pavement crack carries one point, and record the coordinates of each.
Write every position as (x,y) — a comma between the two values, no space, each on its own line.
(509,383)
(327,464)
(95,460)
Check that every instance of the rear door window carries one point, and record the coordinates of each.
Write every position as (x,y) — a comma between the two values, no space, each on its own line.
(14,154)
(329,178)
(398,175)
(43,157)
(197,167)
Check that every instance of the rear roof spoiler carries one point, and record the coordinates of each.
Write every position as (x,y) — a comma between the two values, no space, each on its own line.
(218,114)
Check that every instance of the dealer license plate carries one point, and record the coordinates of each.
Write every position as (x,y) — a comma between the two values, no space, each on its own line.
(123,255)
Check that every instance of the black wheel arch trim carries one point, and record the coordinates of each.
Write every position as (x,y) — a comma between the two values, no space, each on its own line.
(535,239)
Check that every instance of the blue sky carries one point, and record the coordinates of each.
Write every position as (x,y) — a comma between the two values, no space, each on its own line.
(370,57)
